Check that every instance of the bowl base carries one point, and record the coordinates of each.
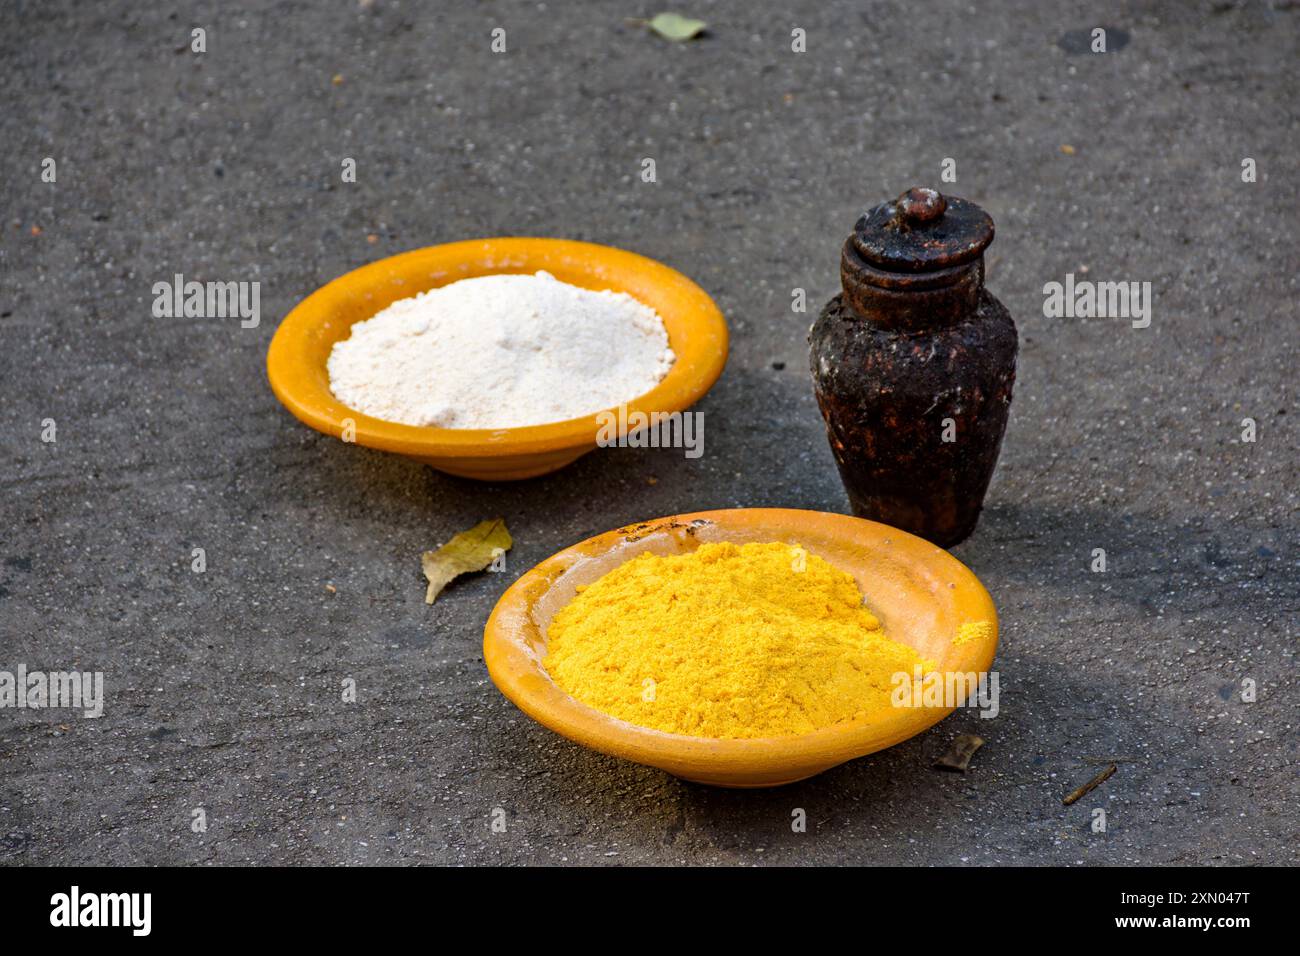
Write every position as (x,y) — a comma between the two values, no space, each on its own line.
(754,785)
(508,467)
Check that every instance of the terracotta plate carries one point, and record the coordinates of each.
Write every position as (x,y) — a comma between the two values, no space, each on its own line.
(921,593)
(301,346)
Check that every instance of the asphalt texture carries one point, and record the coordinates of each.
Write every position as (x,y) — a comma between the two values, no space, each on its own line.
(223,687)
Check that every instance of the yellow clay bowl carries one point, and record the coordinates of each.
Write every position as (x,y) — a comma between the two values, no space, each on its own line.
(920,592)
(301,346)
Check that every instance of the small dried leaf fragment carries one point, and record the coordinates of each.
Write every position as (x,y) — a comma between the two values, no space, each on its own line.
(957,757)
(675,27)
(471,550)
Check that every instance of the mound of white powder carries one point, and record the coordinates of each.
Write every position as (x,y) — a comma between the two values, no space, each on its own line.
(500,351)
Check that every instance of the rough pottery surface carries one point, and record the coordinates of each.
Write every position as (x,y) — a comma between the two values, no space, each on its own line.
(223,688)
(914,364)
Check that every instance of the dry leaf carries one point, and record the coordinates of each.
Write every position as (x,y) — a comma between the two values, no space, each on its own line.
(1067,149)
(471,550)
(675,27)
(957,757)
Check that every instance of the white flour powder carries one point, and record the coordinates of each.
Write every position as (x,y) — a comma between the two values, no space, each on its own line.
(500,352)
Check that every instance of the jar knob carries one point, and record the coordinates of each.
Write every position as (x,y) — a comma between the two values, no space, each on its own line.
(920,205)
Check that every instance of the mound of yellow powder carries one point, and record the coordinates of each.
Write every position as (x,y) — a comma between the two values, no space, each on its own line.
(756,640)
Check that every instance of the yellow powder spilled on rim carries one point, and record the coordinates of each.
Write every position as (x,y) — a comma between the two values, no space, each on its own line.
(972,631)
(756,640)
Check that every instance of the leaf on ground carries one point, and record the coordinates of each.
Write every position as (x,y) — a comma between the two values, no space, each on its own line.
(471,550)
(957,757)
(675,27)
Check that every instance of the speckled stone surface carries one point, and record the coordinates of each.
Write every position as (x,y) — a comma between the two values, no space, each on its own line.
(223,688)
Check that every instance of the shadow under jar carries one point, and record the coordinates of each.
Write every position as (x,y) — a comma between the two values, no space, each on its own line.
(913,365)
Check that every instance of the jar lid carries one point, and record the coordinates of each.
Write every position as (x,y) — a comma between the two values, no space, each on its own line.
(921,231)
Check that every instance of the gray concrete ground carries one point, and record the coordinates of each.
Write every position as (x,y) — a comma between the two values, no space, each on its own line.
(223,687)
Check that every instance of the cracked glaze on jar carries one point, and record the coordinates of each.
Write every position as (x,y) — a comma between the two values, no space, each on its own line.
(913,365)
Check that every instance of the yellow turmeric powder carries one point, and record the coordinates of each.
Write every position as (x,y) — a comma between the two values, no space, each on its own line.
(972,631)
(755,640)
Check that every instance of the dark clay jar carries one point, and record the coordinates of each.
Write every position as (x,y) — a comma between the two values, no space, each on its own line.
(913,365)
